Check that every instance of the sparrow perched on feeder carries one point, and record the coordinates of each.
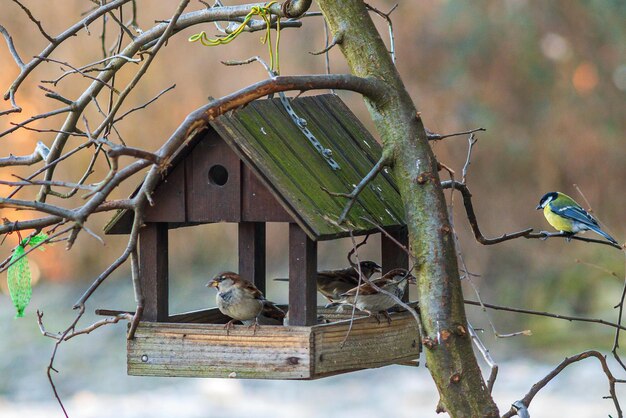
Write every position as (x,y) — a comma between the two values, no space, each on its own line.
(369,300)
(242,301)
(565,215)
(332,283)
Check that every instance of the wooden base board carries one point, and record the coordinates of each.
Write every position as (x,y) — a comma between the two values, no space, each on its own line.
(196,349)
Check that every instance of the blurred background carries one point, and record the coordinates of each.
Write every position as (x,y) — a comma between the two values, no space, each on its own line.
(546,79)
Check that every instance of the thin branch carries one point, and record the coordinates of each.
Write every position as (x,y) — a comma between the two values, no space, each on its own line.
(35,21)
(471,216)
(486,355)
(56,96)
(139,297)
(71,31)
(471,142)
(144,67)
(437,137)
(570,360)
(337,39)
(546,314)
(620,306)
(43,182)
(59,340)
(74,70)
(19,125)
(386,16)
(391,238)
(12,49)
(378,167)
(40,153)
(143,106)
(543,235)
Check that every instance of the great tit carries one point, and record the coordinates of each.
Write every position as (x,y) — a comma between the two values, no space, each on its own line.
(565,215)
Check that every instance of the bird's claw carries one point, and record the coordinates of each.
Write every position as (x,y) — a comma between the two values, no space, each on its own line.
(229,325)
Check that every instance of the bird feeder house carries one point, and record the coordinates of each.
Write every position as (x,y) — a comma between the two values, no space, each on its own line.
(269,162)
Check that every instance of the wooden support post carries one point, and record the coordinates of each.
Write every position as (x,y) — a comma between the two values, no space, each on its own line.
(252,253)
(302,277)
(392,255)
(153,264)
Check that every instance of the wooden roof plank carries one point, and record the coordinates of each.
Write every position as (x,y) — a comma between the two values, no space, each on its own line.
(262,150)
(345,177)
(342,114)
(384,199)
(308,168)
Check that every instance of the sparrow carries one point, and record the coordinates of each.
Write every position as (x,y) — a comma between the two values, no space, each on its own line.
(565,215)
(369,300)
(332,283)
(242,301)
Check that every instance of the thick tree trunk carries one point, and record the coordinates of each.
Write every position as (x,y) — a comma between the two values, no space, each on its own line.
(447,345)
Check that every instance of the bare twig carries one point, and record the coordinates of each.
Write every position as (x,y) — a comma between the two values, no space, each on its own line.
(471,216)
(570,360)
(352,196)
(620,307)
(486,355)
(546,314)
(12,49)
(40,153)
(143,106)
(139,297)
(437,137)
(386,16)
(471,142)
(337,39)
(35,21)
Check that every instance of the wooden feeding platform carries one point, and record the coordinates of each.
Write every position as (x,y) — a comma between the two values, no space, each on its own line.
(255,165)
(194,348)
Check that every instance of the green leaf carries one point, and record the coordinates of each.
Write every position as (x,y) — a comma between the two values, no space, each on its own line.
(18,274)
(18,279)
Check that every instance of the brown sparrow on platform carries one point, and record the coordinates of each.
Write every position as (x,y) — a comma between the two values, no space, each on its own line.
(242,301)
(367,299)
(332,283)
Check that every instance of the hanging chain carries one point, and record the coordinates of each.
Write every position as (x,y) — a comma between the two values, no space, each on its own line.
(301,123)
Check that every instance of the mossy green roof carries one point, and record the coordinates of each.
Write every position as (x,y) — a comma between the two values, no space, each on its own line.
(272,145)
(265,137)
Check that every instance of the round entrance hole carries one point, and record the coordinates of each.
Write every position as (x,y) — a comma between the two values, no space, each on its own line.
(218,175)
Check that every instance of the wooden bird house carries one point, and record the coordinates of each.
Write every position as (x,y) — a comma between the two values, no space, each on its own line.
(256,165)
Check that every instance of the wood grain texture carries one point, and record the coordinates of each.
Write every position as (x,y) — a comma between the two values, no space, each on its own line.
(153,268)
(252,253)
(169,198)
(204,350)
(272,352)
(302,277)
(368,345)
(258,204)
(207,201)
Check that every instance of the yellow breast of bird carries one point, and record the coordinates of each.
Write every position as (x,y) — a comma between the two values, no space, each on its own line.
(558,222)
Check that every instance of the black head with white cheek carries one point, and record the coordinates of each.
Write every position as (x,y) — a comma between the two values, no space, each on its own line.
(547,198)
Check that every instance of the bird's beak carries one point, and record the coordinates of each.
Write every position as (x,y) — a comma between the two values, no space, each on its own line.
(212,283)
(378,269)
(538,207)
(412,280)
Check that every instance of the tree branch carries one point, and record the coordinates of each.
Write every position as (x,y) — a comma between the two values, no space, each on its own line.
(352,196)
(40,153)
(546,314)
(471,216)
(570,360)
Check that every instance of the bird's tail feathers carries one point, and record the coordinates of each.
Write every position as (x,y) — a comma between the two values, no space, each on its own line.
(604,234)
